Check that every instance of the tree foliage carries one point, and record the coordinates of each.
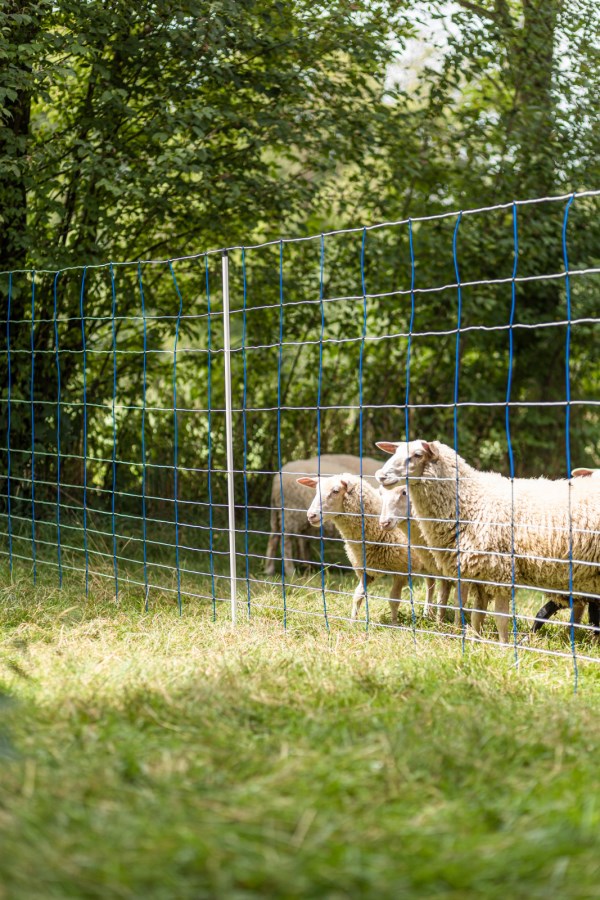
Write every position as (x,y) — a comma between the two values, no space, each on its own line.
(161,130)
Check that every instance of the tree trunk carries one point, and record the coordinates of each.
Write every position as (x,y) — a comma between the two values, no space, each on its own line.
(539,353)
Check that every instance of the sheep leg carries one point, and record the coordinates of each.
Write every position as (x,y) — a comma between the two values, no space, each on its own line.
(578,609)
(398,582)
(479,610)
(272,547)
(501,610)
(274,537)
(359,592)
(594,616)
(464,587)
(303,550)
(551,607)
(445,588)
(429,607)
(543,614)
(288,556)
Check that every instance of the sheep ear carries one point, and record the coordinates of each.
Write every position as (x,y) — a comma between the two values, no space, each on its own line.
(309,482)
(582,473)
(430,449)
(344,483)
(388,446)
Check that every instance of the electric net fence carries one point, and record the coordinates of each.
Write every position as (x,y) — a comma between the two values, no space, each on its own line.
(151,409)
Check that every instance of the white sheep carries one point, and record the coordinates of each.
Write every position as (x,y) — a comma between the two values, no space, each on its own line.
(535,525)
(296,500)
(395,507)
(348,501)
(394,512)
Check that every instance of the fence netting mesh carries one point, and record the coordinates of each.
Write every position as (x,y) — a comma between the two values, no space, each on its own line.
(475,328)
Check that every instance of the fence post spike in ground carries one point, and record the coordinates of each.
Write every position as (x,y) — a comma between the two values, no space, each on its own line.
(229,438)
(31,394)
(85,429)
(114,428)
(143,435)
(319,395)
(568,428)
(245,428)
(279,461)
(58,404)
(209,458)
(363,338)
(411,327)
(455,422)
(8,424)
(511,459)
(176,436)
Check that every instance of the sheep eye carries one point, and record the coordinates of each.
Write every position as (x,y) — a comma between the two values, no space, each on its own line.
(418,454)
(335,490)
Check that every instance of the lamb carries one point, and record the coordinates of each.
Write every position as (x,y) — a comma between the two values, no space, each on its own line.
(296,500)
(395,511)
(535,524)
(339,499)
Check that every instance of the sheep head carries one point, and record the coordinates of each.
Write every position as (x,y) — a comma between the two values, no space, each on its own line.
(395,505)
(408,459)
(329,496)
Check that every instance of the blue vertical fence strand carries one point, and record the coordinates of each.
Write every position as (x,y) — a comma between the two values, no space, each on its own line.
(211,554)
(114,429)
(279,367)
(406,408)
(319,394)
(58,404)
(360,415)
(511,461)
(176,438)
(32,339)
(8,423)
(456,384)
(568,428)
(143,436)
(245,426)
(85,435)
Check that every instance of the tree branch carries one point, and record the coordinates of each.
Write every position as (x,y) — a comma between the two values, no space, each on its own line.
(500,15)
(480,11)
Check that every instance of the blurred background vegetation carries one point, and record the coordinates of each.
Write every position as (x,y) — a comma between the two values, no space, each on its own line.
(160,130)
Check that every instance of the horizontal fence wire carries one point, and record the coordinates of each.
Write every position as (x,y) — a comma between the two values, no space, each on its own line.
(317,237)
(121,388)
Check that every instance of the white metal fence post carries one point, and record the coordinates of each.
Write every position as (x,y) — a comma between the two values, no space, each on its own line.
(229,439)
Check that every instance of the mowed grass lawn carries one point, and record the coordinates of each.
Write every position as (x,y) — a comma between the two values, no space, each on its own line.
(151,755)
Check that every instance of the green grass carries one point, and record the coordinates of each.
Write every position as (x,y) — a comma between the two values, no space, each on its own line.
(159,756)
